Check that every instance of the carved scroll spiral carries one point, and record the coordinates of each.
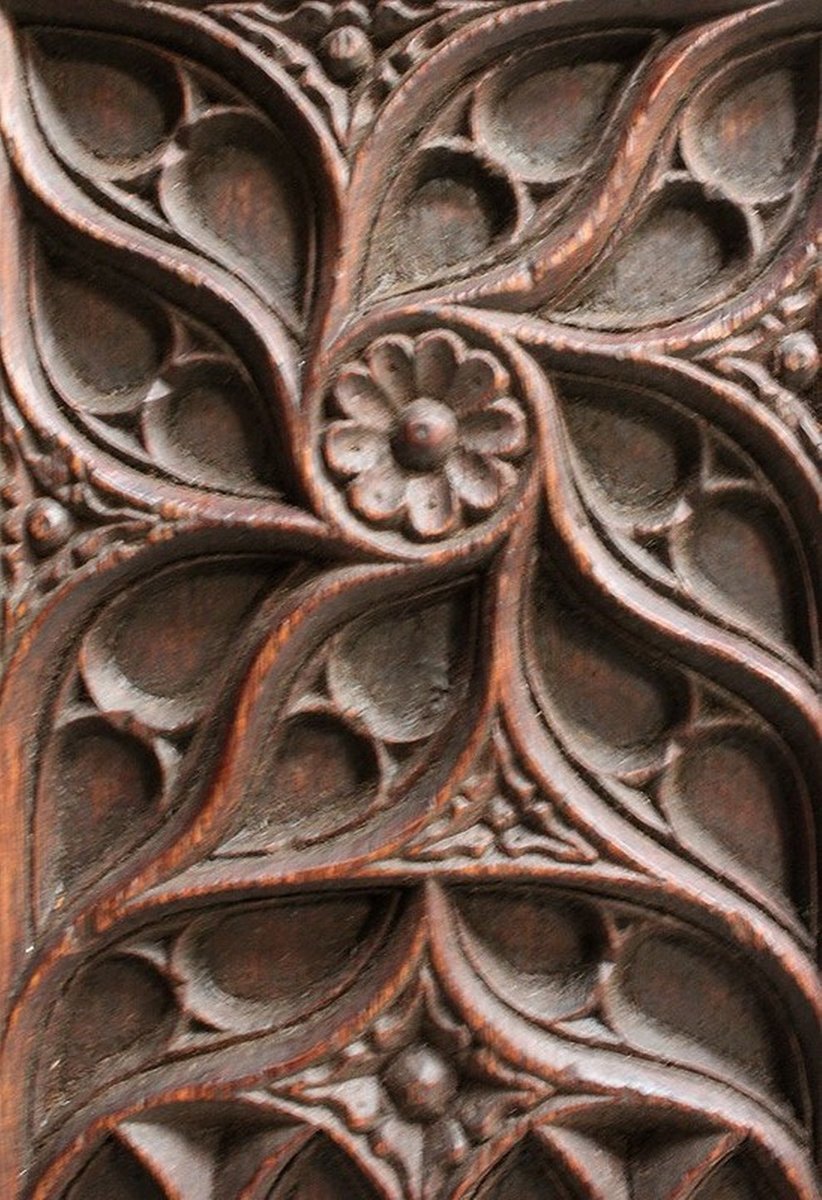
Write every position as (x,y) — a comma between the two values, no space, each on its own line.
(409,722)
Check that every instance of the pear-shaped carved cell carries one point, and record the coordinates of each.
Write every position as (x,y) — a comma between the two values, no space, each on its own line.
(735,797)
(109,102)
(103,345)
(105,786)
(448,208)
(159,648)
(239,193)
(263,966)
(736,552)
(680,257)
(636,453)
(543,113)
(751,129)
(113,1172)
(538,951)
(399,670)
(678,999)
(615,704)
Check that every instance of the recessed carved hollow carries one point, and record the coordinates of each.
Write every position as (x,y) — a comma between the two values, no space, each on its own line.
(539,951)
(616,703)
(428,435)
(677,998)
(160,647)
(750,129)
(104,786)
(544,111)
(271,964)
(102,98)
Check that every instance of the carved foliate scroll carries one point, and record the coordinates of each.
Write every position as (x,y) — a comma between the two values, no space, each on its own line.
(410,742)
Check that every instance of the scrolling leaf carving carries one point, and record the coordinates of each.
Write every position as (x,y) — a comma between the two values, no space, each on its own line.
(410,546)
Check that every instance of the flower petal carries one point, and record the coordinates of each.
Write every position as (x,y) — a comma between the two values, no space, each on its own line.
(379,493)
(480,482)
(390,360)
(351,448)
(435,362)
(499,428)
(358,396)
(479,379)
(432,509)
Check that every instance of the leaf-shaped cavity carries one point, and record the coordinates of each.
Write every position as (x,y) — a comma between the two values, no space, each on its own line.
(676,998)
(737,554)
(322,777)
(617,704)
(158,649)
(543,112)
(525,1173)
(110,98)
(266,965)
(99,792)
(113,1172)
(447,209)
(540,952)
(399,670)
(209,429)
(118,1009)
(752,129)
(735,796)
(238,192)
(679,258)
(102,343)
(322,1172)
(636,453)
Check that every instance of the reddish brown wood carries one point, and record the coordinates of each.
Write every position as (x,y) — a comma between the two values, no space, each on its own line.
(410,743)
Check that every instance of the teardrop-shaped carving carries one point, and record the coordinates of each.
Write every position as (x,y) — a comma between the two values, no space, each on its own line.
(539,951)
(324,776)
(322,1172)
(543,112)
(208,429)
(110,99)
(113,1172)
(676,998)
(115,1013)
(736,552)
(617,706)
(399,670)
(448,209)
(735,797)
(679,258)
(751,130)
(525,1173)
(101,787)
(636,453)
(238,192)
(267,965)
(158,649)
(102,345)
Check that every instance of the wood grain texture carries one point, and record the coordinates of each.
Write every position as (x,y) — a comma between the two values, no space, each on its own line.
(410,726)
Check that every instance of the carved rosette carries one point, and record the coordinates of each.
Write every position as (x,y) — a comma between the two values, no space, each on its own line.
(409,725)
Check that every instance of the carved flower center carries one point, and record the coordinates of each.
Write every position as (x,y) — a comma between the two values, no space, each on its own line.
(421,1083)
(425,436)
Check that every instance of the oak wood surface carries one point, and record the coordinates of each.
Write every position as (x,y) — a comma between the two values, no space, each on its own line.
(409,732)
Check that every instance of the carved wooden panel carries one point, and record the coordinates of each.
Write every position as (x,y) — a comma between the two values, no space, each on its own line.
(410,750)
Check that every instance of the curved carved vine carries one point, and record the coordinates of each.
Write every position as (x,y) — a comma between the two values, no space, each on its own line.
(410,547)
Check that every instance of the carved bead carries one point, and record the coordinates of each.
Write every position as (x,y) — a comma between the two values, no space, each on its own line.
(421,1083)
(48,525)
(797,358)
